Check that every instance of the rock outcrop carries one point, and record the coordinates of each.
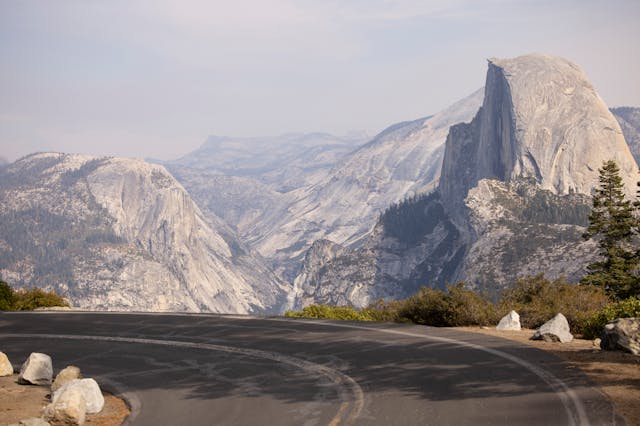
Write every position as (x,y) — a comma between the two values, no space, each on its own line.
(512,198)
(622,334)
(122,234)
(554,330)
(6,369)
(511,321)
(36,370)
(629,120)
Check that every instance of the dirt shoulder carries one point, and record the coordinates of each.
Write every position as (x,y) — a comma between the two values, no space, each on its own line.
(20,402)
(617,373)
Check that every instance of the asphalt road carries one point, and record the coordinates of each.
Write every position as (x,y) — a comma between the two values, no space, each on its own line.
(230,370)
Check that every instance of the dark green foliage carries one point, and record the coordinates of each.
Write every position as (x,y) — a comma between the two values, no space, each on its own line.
(538,299)
(612,223)
(549,208)
(7,297)
(25,300)
(628,308)
(428,307)
(456,307)
(412,219)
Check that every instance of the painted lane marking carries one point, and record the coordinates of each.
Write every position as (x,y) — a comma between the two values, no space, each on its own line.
(345,383)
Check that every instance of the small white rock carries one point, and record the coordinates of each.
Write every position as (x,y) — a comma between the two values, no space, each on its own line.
(36,370)
(90,391)
(511,321)
(6,369)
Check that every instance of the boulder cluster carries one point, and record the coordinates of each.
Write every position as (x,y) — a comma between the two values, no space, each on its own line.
(72,397)
(621,334)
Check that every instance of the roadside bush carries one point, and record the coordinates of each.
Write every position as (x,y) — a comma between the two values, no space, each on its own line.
(627,308)
(330,312)
(467,307)
(27,300)
(7,297)
(429,307)
(456,307)
(538,299)
(385,311)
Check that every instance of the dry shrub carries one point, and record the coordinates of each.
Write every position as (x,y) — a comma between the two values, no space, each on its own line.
(538,299)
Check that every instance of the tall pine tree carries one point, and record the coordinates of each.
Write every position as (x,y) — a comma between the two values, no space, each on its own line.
(612,223)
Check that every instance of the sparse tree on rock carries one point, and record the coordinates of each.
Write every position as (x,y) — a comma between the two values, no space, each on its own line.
(613,224)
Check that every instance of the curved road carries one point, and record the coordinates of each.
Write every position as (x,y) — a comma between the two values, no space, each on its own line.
(231,370)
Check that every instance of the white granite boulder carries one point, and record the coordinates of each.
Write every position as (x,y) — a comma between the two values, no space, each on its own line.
(68,374)
(36,370)
(90,391)
(554,330)
(69,408)
(6,369)
(622,334)
(511,321)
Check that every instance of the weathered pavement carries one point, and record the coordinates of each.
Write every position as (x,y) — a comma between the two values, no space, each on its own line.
(230,370)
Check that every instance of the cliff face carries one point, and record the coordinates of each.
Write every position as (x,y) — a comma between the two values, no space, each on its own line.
(400,162)
(629,120)
(513,194)
(123,234)
(540,119)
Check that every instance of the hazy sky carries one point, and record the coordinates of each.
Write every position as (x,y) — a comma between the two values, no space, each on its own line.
(154,78)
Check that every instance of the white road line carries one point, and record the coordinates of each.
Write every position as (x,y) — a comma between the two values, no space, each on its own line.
(573,406)
(343,381)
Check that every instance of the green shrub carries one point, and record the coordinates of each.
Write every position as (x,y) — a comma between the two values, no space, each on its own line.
(456,307)
(429,307)
(345,313)
(627,308)
(27,300)
(467,307)
(7,297)
(538,299)
(385,311)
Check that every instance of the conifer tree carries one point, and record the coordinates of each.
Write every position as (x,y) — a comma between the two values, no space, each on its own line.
(612,223)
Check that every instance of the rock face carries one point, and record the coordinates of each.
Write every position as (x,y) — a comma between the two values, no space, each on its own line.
(622,334)
(512,198)
(511,321)
(554,330)
(36,370)
(69,408)
(629,120)
(89,390)
(65,376)
(338,200)
(122,234)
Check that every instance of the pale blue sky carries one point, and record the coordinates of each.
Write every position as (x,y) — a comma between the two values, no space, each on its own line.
(154,78)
